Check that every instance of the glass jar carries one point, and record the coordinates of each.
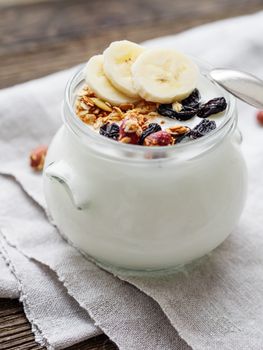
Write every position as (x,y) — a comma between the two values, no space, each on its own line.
(144,208)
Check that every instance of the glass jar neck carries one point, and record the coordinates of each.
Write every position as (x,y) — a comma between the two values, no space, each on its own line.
(110,149)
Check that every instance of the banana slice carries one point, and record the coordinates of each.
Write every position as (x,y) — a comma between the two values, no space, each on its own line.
(164,75)
(99,83)
(118,59)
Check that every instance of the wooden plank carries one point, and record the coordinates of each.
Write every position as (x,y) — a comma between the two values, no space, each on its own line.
(19,2)
(54,21)
(42,38)
(15,331)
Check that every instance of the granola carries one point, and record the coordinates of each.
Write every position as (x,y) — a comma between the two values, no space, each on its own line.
(135,123)
(96,112)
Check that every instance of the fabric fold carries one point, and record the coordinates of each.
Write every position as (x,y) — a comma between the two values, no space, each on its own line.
(129,317)
(56,319)
(8,283)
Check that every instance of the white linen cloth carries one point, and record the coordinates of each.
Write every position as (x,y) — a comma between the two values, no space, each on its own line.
(214,305)
(55,317)
(128,316)
(8,283)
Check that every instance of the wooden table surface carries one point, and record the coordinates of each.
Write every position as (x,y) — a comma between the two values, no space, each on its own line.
(41,37)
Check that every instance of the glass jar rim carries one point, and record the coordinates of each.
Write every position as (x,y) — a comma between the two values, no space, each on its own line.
(83,131)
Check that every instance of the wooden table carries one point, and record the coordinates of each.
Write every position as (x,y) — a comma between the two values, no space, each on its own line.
(41,37)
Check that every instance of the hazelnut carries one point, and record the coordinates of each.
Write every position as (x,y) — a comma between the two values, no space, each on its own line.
(37,158)
(126,106)
(159,138)
(130,129)
(260,117)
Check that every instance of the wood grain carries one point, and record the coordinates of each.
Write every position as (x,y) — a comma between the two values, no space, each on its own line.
(41,37)
(15,331)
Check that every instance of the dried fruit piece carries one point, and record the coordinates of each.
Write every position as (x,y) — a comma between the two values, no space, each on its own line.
(130,128)
(184,110)
(152,127)
(110,130)
(159,138)
(37,157)
(213,106)
(192,100)
(185,113)
(166,110)
(202,128)
(185,137)
(260,117)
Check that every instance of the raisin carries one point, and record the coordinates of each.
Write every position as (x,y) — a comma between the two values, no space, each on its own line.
(185,114)
(110,130)
(190,107)
(153,127)
(202,128)
(182,137)
(213,106)
(166,110)
(192,100)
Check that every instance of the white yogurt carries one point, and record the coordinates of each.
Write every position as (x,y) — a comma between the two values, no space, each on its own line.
(139,213)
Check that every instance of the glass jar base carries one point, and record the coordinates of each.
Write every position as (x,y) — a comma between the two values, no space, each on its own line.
(126,272)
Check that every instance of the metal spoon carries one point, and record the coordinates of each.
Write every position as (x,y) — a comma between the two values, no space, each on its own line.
(244,86)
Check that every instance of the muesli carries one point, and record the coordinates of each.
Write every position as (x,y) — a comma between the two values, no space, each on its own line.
(133,94)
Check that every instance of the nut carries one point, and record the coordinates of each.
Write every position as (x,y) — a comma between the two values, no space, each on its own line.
(126,106)
(159,138)
(260,117)
(88,101)
(102,105)
(130,129)
(126,139)
(177,107)
(37,158)
(88,118)
(178,130)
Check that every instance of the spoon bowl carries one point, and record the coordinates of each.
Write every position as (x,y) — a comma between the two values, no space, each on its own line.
(244,86)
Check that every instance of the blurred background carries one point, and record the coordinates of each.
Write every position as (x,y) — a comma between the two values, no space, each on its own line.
(38,37)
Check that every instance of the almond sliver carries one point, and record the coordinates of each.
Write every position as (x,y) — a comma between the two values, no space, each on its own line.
(102,105)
